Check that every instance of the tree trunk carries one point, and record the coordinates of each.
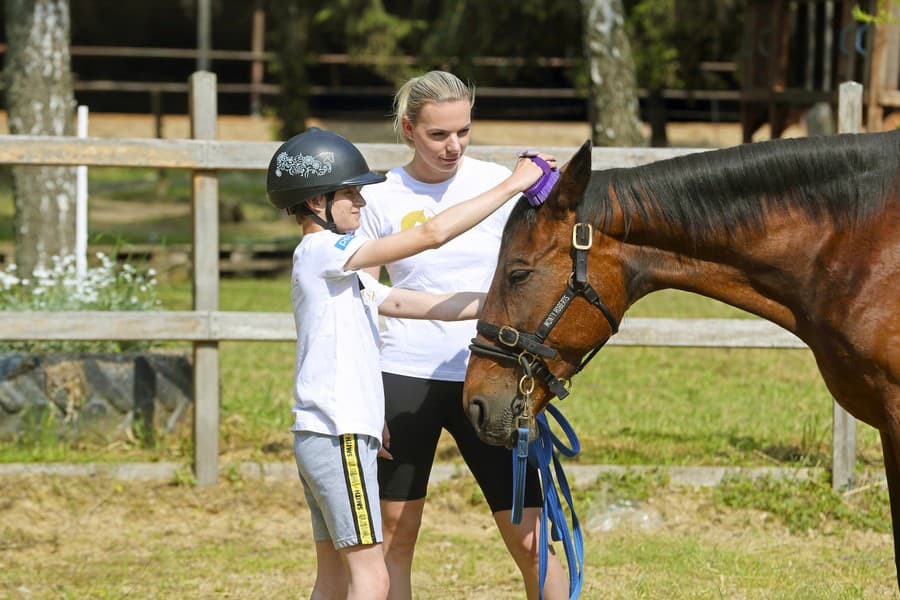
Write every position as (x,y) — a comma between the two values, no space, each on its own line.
(39,98)
(612,88)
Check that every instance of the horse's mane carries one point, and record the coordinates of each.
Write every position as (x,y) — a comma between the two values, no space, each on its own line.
(844,178)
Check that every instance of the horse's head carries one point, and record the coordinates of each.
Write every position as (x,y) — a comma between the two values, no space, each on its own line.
(543,313)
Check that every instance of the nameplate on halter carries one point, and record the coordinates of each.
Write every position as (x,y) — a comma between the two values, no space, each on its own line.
(557,310)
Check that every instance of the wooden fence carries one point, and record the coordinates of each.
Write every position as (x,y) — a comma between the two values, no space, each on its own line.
(205,326)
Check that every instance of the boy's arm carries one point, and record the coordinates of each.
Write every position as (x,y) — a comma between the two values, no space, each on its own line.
(448,224)
(413,304)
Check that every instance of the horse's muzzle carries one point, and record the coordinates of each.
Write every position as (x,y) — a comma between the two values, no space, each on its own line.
(494,429)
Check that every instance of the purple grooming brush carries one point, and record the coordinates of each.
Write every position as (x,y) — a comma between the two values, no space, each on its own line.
(538,192)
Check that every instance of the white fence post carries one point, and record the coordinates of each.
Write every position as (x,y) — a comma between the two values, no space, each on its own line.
(205,209)
(843,443)
(81,211)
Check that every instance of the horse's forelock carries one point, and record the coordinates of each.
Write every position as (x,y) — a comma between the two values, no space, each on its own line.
(523,213)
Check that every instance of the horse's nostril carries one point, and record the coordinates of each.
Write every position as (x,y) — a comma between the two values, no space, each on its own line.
(476,413)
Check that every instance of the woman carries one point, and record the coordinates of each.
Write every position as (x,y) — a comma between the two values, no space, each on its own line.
(423,363)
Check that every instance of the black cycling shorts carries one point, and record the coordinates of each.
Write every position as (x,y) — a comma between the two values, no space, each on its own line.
(416,410)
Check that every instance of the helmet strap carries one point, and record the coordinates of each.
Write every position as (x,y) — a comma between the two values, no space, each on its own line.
(329,224)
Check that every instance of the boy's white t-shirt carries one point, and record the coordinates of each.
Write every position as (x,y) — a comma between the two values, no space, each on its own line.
(417,347)
(337,381)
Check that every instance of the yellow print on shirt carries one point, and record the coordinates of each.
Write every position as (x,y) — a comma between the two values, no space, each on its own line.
(412,219)
(357,489)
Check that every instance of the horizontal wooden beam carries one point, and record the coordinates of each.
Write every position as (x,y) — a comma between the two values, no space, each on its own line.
(712,333)
(251,326)
(889,98)
(255,156)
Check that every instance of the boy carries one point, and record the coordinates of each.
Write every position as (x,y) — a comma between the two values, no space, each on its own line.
(339,410)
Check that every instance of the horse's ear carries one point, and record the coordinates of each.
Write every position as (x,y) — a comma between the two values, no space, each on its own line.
(573,180)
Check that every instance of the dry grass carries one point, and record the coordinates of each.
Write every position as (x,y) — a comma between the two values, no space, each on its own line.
(100,538)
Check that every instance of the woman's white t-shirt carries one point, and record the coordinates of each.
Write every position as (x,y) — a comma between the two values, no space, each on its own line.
(337,381)
(434,349)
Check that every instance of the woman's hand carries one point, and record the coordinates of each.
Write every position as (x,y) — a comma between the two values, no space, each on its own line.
(385,444)
(527,172)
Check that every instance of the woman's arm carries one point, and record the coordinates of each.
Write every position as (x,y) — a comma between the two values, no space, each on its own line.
(375,272)
(413,304)
(448,224)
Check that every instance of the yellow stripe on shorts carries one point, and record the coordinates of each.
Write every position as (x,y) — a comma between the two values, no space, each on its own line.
(356,487)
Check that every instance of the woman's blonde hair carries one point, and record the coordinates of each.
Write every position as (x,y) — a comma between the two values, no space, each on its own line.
(434,86)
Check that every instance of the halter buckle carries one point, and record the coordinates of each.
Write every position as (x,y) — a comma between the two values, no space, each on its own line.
(582,236)
(506,329)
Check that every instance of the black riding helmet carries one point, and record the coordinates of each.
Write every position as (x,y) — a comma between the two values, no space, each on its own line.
(312,163)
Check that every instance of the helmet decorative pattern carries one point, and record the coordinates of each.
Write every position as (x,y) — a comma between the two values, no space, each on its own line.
(304,165)
(315,162)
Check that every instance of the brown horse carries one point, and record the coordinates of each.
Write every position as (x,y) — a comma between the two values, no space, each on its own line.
(805,233)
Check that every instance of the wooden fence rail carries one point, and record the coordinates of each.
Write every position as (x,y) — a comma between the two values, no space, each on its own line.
(206,326)
(217,326)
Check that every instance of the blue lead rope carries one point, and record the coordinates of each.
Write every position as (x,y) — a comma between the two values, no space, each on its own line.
(541,454)
(520,455)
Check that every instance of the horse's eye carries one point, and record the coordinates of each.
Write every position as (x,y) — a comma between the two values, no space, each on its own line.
(519,276)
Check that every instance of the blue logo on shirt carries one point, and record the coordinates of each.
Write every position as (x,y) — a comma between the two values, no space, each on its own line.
(344,241)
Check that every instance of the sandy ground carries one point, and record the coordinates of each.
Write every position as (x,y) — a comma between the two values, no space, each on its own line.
(526,133)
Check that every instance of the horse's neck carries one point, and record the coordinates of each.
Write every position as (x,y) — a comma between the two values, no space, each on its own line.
(764,273)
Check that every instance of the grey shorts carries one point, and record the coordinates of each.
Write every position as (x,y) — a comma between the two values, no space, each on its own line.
(340,480)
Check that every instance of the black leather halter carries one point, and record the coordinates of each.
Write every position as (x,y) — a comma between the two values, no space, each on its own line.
(529,349)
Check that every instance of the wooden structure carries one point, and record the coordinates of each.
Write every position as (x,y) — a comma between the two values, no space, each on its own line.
(796,52)
(205,326)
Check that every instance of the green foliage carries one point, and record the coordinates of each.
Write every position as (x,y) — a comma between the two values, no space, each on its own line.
(372,34)
(104,287)
(669,41)
(653,26)
(807,504)
(671,38)
(882,15)
(459,32)
(290,41)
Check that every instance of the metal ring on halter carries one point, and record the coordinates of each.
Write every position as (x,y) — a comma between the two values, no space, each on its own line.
(507,328)
(523,382)
(527,360)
